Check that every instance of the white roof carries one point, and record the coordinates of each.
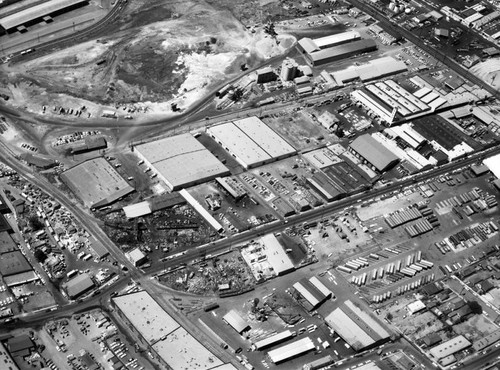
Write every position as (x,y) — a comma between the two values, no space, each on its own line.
(291,350)
(321,158)
(336,39)
(304,292)
(416,306)
(422,92)
(276,255)
(348,329)
(247,152)
(272,143)
(135,255)
(137,210)
(435,104)
(146,315)
(182,351)
(273,339)
(38,11)
(202,211)
(320,286)
(430,97)
(493,164)
(236,321)
(181,160)
(450,347)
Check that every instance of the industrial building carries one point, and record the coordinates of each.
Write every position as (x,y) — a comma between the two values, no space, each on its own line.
(137,210)
(375,69)
(276,255)
(371,102)
(312,291)
(232,186)
(136,257)
(320,363)
(236,321)
(356,327)
(13,263)
(79,285)
(201,211)
(181,161)
(366,147)
(265,75)
(289,69)
(161,334)
(450,347)
(23,18)
(307,45)
(96,182)
(291,350)
(324,186)
(343,51)
(6,360)
(251,142)
(273,340)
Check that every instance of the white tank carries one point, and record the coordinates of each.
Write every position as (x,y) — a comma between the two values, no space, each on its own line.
(392,6)
(408,10)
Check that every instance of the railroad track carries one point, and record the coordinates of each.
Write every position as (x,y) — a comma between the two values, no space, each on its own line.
(64,41)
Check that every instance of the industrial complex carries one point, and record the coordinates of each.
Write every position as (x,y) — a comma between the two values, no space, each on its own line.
(252,185)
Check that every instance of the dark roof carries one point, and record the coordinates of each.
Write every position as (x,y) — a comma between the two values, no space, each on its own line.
(486,286)
(343,50)
(326,189)
(165,201)
(20,343)
(374,152)
(4,224)
(6,243)
(38,161)
(4,208)
(79,285)
(12,263)
(432,289)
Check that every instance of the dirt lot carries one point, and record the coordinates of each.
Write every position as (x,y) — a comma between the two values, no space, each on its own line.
(154,56)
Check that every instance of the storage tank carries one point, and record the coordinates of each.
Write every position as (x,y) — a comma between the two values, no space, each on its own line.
(408,10)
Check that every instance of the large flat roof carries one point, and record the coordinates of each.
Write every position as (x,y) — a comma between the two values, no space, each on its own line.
(182,351)
(493,164)
(351,332)
(247,152)
(146,315)
(96,182)
(79,285)
(276,255)
(37,11)
(450,347)
(336,39)
(272,143)
(5,358)
(12,263)
(269,341)
(181,160)
(373,152)
(343,50)
(6,243)
(291,350)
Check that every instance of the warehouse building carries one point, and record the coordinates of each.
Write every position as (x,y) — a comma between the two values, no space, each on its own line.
(324,186)
(375,69)
(6,360)
(356,327)
(371,102)
(232,186)
(340,52)
(181,161)
(276,255)
(168,343)
(201,211)
(320,363)
(23,18)
(236,321)
(373,152)
(291,350)
(136,257)
(79,285)
(273,340)
(450,347)
(96,182)
(251,142)
(13,263)
(307,45)
(312,292)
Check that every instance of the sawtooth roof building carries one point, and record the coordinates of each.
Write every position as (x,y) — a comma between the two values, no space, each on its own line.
(373,152)
(33,14)
(181,161)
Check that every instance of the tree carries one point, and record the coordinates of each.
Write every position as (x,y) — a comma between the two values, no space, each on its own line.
(35,223)
(40,256)
(475,307)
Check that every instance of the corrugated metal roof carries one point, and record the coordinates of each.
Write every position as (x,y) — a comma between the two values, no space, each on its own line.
(236,321)
(308,45)
(137,210)
(345,49)
(37,11)
(373,152)
(450,347)
(339,38)
(291,350)
(79,285)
